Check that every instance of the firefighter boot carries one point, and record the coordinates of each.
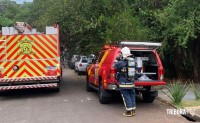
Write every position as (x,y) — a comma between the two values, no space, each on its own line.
(133,112)
(128,114)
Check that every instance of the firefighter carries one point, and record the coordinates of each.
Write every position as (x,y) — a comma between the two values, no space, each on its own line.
(125,66)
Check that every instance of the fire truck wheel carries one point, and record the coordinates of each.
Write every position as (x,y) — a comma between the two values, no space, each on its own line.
(88,88)
(57,89)
(148,98)
(104,96)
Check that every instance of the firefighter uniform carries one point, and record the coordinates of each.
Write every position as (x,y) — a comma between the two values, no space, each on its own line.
(126,88)
(125,76)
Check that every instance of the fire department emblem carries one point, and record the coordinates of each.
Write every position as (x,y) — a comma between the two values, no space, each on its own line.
(26,47)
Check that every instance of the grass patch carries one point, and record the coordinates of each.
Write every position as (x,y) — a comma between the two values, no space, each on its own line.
(188,103)
(195,88)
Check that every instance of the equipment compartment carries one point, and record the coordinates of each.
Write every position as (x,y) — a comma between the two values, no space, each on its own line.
(149,70)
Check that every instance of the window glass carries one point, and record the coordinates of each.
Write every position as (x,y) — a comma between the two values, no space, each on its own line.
(84,60)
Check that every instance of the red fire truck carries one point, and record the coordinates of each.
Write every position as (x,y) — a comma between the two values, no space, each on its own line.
(101,73)
(29,59)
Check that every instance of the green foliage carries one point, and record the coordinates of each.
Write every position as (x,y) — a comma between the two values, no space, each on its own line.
(178,21)
(195,88)
(45,12)
(91,23)
(123,26)
(177,90)
(86,25)
(10,12)
(5,21)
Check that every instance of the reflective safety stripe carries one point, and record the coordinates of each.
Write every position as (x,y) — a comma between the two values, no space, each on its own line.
(123,100)
(20,79)
(133,108)
(128,109)
(51,85)
(127,86)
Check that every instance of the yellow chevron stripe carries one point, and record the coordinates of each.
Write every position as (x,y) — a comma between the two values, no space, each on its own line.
(11,51)
(48,43)
(55,36)
(3,63)
(51,39)
(10,72)
(38,41)
(34,45)
(21,69)
(16,46)
(2,37)
(4,43)
(25,75)
(3,51)
(13,41)
(35,68)
(20,62)
(38,63)
(7,67)
(33,57)
(3,59)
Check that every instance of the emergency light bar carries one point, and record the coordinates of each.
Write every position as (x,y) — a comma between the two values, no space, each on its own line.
(141,44)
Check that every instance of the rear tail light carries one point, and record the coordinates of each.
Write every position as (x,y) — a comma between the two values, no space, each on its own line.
(80,65)
(161,73)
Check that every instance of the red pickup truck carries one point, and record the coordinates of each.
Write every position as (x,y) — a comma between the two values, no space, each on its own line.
(101,72)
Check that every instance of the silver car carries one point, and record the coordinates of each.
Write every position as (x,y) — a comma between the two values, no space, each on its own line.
(81,64)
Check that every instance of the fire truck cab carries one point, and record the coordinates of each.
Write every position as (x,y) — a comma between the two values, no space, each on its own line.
(101,74)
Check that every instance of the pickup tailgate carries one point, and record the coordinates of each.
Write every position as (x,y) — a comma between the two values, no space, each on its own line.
(149,83)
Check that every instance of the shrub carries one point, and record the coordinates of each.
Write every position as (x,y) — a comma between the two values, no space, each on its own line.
(177,90)
(195,89)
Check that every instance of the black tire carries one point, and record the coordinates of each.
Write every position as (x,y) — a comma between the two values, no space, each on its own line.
(104,96)
(56,89)
(88,88)
(79,73)
(75,70)
(148,98)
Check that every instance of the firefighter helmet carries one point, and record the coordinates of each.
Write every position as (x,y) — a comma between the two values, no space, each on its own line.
(126,52)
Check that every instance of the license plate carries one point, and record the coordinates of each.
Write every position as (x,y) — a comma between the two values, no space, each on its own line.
(51,67)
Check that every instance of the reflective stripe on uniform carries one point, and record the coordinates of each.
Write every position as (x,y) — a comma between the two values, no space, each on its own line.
(128,109)
(127,86)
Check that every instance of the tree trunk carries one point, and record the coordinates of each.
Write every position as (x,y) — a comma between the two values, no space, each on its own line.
(196,60)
